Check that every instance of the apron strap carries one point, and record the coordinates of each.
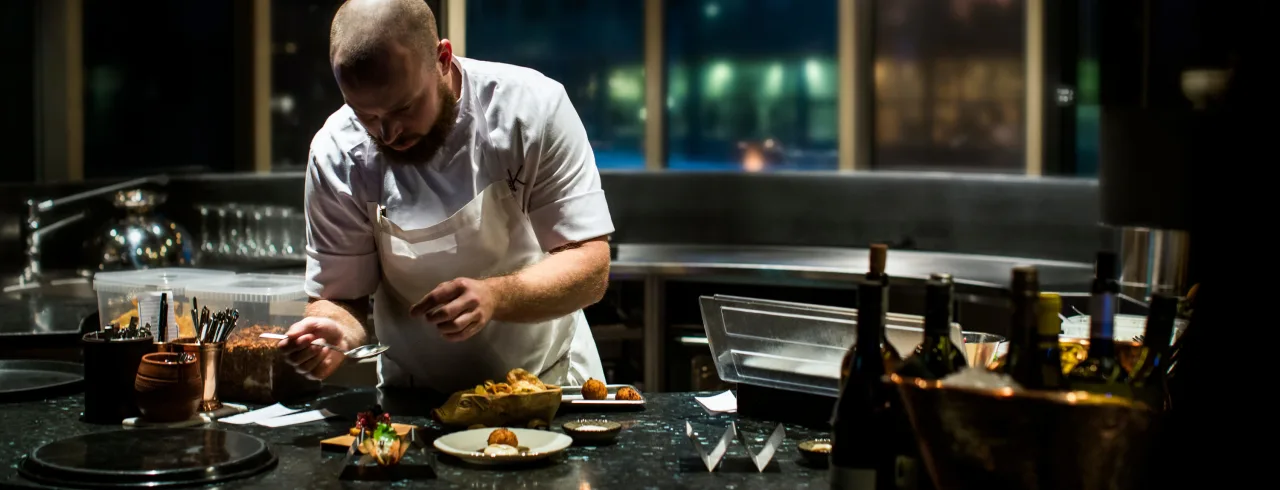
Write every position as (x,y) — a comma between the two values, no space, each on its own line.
(558,370)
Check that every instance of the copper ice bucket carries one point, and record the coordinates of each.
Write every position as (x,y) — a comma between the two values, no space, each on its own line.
(1000,439)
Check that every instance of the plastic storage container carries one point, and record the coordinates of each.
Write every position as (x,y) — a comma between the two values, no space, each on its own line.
(118,292)
(799,347)
(253,370)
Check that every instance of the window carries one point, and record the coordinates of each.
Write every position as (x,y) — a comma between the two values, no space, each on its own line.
(752,84)
(1088,109)
(303,91)
(18,36)
(159,88)
(594,48)
(949,85)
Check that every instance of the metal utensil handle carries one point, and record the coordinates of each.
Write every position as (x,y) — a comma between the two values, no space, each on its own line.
(316,342)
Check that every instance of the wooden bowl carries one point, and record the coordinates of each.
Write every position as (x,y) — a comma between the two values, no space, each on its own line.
(466,409)
(168,388)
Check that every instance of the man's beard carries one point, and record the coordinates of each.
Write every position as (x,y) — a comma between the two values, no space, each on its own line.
(429,144)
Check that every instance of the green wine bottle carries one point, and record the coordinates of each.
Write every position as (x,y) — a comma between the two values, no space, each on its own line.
(1101,372)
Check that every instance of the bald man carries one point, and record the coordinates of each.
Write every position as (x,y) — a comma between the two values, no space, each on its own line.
(464,197)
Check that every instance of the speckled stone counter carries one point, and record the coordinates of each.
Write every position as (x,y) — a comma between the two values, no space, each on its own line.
(651,452)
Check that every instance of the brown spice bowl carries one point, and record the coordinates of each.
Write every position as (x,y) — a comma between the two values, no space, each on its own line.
(167,387)
(817,452)
(1047,440)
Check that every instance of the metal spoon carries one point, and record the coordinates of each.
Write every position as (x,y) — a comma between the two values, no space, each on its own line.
(362,352)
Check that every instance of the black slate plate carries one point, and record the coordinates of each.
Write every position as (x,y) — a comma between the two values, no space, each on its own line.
(33,379)
(148,458)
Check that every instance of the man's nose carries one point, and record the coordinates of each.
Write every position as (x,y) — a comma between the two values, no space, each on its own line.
(390,132)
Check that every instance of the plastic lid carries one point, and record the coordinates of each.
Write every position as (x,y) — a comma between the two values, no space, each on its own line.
(175,279)
(257,288)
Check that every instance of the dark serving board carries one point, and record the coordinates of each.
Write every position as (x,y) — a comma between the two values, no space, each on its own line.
(33,379)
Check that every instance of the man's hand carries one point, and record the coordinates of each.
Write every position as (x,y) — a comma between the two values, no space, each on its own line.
(460,308)
(313,361)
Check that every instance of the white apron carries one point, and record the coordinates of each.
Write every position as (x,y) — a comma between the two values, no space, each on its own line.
(489,236)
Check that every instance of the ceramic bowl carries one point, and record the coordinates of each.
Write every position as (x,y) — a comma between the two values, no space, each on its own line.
(816,451)
(168,387)
(592,431)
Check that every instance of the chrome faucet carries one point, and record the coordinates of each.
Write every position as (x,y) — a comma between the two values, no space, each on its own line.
(33,272)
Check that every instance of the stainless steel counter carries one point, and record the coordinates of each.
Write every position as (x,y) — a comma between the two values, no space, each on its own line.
(817,266)
(826,264)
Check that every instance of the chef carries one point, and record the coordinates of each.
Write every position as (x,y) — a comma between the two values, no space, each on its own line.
(463,196)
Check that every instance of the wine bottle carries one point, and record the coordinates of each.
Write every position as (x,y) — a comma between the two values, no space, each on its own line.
(1020,361)
(936,356)
(1101,371)
(1148,380)
(878,256)
(1048,349)
(875,273)
(863,425)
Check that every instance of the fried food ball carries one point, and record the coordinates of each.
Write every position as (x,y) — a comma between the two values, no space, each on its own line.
(626,393)
(594,389)
(503,436)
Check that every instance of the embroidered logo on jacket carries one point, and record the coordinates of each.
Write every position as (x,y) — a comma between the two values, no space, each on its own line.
(513,179)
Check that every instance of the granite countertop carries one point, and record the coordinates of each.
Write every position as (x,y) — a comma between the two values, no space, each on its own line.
(651,452)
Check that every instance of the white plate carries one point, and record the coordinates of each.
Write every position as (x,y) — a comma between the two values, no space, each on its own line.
(469,445)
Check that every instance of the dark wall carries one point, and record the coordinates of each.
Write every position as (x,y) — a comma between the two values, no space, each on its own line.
(1047,218)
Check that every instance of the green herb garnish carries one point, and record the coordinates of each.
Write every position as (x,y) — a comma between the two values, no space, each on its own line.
(385,432)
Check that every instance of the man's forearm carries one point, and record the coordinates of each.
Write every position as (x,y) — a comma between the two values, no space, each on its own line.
(565,281)
(351,315)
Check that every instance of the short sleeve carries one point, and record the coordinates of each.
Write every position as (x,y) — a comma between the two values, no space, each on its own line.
(566,203)
(342,258)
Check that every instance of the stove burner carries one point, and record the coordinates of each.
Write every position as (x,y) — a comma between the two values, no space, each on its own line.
(148,458)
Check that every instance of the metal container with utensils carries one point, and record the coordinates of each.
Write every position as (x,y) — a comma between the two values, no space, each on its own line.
(210,357)
(1002,439)
(110,366)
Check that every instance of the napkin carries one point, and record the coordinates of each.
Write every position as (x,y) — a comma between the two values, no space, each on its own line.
(258,415)
(297,418)
(722,403)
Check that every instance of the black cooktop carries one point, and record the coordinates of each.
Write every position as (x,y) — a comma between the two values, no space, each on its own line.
(148,458)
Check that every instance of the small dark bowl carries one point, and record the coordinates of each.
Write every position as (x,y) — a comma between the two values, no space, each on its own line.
(809,450)
(607,435)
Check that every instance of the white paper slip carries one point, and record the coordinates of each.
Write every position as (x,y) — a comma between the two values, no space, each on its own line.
(297,418)
(722,403)
(259,414)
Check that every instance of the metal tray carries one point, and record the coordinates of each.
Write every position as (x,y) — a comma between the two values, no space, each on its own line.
(572,396)
(33,379)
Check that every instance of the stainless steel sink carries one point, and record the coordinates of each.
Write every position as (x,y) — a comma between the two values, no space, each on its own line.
(77,287)
(54,305)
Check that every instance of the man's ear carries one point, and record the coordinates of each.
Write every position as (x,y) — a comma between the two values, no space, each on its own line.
(444,56)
